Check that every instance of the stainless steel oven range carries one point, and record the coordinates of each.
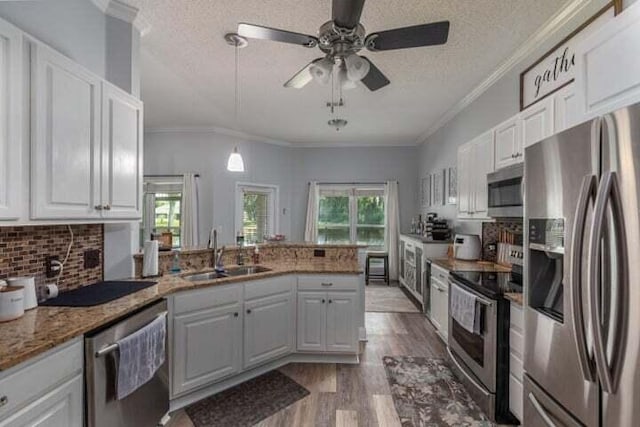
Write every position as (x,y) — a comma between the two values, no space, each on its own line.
(481,359)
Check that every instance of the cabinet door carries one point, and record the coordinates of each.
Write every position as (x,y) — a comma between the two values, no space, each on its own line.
(537,123)
(483,163)
(508,143)
(206,346)
(10,121)
(61,407)
(121,154)
(65,138)
(464,189)
(312,320)
(268,329)
(565,108)
(342,330)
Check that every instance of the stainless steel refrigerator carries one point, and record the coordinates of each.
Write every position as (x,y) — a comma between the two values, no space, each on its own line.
(582,314)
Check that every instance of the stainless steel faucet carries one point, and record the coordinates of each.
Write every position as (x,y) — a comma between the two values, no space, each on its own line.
(217,255)
(218,263)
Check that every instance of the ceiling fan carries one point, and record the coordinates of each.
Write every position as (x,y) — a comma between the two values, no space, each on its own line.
(342,38)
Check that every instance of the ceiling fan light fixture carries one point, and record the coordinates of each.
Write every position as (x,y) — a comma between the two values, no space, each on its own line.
(321,70)
(344,80)
(338,124)
(357,67)
(235,162)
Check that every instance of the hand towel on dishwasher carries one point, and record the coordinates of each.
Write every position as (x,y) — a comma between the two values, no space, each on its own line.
(464,310)
(141,355)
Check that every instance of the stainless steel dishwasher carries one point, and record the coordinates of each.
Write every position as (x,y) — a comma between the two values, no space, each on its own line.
(148,405)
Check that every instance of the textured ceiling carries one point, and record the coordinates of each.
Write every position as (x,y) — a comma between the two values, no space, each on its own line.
(187,68)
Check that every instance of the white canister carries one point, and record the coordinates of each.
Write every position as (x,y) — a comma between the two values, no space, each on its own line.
(29,285)
(11,303)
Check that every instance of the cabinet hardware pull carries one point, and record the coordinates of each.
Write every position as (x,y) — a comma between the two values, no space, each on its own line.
(235,314)
(330,301)
(3,400)
(327,284)
(107,207)
(323,301)
(98,207)
(248,311)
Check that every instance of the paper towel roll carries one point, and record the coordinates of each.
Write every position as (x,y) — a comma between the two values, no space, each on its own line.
(52,291)
(150,260)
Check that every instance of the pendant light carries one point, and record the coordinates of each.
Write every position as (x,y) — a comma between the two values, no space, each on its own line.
(235,162)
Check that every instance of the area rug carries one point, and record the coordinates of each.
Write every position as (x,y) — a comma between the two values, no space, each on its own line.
(248,403)
(388,299)
(425,393)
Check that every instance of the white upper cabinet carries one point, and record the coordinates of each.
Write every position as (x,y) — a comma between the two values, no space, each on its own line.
(10,121)
(86,140)
(608,64)
(565,108)
(508,142)
(475,161)
(65,138)
(483,164)
(537,123)
(121,153)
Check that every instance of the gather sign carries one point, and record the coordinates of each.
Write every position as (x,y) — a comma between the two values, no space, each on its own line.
(556,69)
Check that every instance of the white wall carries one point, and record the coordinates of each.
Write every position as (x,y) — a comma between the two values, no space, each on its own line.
(498,103)
(290,168)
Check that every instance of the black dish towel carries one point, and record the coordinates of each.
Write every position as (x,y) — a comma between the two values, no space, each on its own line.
(96,294)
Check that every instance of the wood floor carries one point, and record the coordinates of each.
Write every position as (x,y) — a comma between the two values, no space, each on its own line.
(354,395)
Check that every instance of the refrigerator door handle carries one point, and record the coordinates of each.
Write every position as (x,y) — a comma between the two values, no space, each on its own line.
(587,193)
(609,372)
(543,414)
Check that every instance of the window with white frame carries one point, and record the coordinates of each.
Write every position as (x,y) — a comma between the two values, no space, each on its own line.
(352,214)
(161,209)
(256,211)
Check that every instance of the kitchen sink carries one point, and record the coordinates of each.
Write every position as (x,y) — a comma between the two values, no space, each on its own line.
(231,272)
(246,271)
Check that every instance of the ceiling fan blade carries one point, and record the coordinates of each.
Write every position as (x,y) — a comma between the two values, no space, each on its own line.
(302,77)
(346,13)
(374,79)
(265,33)
(416,36)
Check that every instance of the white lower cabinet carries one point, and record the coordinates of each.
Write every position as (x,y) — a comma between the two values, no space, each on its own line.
(516,352)
(61,407)
(46,392)
(269,326)
(341,322)
(440,307)
(312,320)
(207,346)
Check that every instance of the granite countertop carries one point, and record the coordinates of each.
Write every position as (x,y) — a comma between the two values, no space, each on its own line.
(516,297)
(43,328)
(457,265)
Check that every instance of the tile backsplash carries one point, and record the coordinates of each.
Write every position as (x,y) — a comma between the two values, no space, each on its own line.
(23,251)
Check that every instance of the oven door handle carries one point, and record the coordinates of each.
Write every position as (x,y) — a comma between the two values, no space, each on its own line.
(540,410)
(471,380)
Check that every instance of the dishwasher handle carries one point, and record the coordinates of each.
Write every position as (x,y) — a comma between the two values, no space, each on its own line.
(114,346)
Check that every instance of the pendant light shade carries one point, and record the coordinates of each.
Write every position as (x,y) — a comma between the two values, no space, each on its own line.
(235,162)
(345,83)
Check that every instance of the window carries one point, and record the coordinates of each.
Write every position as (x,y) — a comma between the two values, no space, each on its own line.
(256,211)
(161,210)
(348,214)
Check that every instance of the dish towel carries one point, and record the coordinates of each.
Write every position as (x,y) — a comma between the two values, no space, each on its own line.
(141,355)
(463,309)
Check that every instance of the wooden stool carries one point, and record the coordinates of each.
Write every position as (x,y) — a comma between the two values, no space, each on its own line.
(384,256)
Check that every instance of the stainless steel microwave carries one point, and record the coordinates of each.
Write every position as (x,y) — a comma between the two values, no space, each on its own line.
(505,192)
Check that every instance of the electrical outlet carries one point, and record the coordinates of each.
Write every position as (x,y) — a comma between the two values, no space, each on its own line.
(91,258)
(52,269)
(318,253)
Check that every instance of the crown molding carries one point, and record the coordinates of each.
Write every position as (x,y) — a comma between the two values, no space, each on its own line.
(219,131)
(543,34)
(353,144)
(125,13)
